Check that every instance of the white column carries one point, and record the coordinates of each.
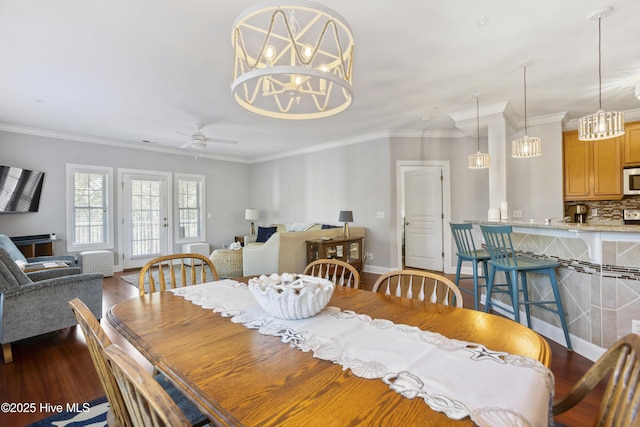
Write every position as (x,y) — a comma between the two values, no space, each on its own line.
(497,142)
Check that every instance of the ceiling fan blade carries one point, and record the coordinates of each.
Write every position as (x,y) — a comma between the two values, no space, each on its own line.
(221,141)
(185,134)
(188,144)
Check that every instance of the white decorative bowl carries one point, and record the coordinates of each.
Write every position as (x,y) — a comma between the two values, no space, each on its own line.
(291,297)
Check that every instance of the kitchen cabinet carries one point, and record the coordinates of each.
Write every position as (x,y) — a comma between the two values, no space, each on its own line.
(632,144)
(592,169)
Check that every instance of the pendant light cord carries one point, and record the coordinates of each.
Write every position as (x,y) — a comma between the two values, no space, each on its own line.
(525,100)
(600,62)
(478,120)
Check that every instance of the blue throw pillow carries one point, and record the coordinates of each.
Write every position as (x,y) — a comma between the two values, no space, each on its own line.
(264,233)
(328,226)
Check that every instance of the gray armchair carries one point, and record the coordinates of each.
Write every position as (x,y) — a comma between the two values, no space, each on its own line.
(15,254)
(31,307)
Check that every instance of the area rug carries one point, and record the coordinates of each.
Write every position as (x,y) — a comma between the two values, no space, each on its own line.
(94,416)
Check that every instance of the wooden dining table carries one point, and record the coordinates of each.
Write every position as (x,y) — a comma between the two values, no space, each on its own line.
(237,376)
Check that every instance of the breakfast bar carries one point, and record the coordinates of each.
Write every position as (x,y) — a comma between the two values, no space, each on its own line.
(599,278)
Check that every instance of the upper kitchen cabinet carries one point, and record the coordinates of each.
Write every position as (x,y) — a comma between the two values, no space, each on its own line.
(592,169)
(632,144)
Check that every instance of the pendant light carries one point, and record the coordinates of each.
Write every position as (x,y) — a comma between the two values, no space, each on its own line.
(527,146)
(478,160)
(601,125)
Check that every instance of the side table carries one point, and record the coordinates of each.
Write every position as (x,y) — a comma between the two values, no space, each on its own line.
(348,250)
(228,262)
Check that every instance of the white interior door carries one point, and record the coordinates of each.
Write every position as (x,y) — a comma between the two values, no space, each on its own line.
(145,219)
(424,218)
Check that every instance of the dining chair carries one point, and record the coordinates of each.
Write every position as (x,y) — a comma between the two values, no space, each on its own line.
(620,404)
(339,272)
(415,284)
(504,258)
(97,340)
(148,404)
(159,274)
(468,252)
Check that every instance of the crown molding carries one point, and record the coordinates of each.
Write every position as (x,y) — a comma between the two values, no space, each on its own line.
(47,133)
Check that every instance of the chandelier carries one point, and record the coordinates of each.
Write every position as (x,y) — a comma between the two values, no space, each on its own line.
(478,160)
(292,60)
(602,124)
(527,146)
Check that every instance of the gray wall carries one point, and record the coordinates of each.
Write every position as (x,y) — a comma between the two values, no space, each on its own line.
(315,187)
(310,187)
(226,183)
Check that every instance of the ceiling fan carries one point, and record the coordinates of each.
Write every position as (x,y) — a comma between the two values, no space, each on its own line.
(199,139)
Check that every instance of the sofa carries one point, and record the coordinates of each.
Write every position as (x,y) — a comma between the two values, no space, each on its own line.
(285,251)
(38,303)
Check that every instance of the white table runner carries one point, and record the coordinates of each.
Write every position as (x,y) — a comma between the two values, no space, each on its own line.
(455,377)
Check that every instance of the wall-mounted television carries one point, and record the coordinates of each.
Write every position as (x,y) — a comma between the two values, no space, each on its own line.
(20,189)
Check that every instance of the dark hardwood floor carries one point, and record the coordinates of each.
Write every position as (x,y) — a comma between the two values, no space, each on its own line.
(56,368)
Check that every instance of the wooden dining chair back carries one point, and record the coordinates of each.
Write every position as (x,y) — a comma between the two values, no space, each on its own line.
(339,272)
(97,340)
(620,404)
(175,271)
(420,285)
(148,404)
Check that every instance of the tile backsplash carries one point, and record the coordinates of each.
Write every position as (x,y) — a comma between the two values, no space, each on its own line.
(608,210)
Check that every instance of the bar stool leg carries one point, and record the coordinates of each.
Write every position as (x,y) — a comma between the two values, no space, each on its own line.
(492,273)
(556,294)
(525,296)
(512,280)
(476,294)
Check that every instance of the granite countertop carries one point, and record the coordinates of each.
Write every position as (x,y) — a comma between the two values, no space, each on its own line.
(606,226)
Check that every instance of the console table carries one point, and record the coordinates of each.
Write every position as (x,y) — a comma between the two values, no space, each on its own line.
(344,249)
(36,245)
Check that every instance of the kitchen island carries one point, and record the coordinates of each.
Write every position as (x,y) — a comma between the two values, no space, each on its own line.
(599,278)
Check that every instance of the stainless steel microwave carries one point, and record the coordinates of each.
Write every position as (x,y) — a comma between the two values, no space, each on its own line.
(631,181)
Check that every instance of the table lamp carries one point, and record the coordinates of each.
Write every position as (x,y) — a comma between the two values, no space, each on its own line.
(346,217)
(251,215)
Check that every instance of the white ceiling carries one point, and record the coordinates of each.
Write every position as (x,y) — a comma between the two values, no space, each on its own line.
(124,71)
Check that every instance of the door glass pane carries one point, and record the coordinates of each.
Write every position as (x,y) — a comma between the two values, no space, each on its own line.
(147,218)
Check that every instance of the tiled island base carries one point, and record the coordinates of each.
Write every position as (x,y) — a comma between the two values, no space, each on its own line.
(599,279)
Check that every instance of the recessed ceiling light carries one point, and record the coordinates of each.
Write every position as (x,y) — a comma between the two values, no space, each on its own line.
(482,22)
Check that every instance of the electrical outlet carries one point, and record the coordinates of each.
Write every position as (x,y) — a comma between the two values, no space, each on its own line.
(517,214)
(594,212)
(635,326)
(368,255)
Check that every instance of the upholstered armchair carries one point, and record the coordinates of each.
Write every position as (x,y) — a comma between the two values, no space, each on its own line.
(37,304)
(16,255)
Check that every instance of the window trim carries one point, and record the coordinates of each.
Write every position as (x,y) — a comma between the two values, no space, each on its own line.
(176,206)
(71,170)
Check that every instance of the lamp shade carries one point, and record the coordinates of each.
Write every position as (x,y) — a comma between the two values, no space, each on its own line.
(345,216)
(251,214)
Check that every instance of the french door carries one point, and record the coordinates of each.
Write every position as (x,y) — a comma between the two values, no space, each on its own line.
(145,217)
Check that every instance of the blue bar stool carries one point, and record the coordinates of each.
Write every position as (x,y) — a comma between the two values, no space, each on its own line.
(467,251)
(504,258)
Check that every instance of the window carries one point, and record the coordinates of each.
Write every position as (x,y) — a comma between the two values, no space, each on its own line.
(89,211)
(190,208)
